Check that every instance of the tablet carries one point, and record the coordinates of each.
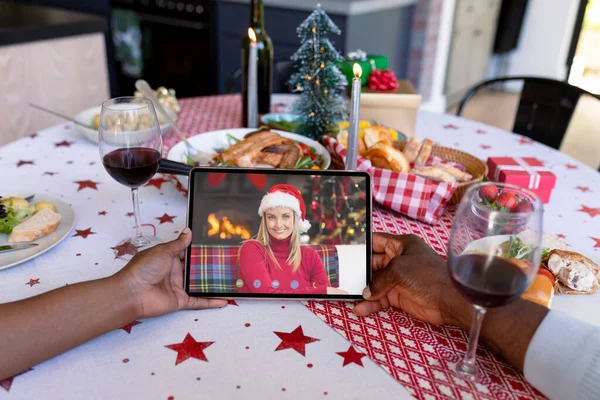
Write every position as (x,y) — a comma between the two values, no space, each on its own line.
(278,234)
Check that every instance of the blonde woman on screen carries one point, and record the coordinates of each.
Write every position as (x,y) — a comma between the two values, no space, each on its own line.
(274,262)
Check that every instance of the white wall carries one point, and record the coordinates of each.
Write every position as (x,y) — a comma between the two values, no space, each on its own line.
(545,39)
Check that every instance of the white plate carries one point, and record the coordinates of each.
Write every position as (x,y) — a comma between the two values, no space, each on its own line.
(86,117)
(12,258)
(218,139)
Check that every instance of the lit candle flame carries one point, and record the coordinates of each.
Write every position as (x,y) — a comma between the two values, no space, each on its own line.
(252,35)
(357,70)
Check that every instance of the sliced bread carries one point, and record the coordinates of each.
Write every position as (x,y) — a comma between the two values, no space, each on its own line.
(42,223)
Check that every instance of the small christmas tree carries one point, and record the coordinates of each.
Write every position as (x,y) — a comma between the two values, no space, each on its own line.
(337,210)
(318,79)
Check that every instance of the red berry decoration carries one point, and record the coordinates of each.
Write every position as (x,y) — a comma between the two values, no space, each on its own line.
(524,206)
(507,200)
(489,192)
(383,80)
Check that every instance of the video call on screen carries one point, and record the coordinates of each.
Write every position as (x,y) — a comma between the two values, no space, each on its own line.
(237,252)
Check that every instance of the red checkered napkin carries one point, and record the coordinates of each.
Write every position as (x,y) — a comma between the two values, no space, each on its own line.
(408,194)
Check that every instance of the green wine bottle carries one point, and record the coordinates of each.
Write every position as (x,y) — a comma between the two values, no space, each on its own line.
(265,63)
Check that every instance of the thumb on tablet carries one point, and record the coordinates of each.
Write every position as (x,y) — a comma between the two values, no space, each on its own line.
(383,281)
(181,243)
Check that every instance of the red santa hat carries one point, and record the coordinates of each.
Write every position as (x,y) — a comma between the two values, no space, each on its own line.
(286,196)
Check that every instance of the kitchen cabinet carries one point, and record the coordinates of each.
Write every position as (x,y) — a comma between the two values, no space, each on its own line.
(474,30)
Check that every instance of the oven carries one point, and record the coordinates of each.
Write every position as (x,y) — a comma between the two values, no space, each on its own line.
(167,43)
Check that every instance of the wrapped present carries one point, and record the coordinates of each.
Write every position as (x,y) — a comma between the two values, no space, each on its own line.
(396,109)
(414,196)
(526,172)
(368,63)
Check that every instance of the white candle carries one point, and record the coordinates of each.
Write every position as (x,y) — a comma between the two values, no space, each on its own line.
(352,150)
(252,106)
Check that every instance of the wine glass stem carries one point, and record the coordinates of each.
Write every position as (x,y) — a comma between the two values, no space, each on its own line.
(467,366)
(139,238)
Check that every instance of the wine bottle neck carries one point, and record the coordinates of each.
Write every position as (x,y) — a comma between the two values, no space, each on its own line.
(257,20)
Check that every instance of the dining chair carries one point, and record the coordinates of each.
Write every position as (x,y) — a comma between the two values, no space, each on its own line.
(545,106)
(282,71)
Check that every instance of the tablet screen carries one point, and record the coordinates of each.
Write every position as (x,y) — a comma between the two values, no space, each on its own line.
(276,233)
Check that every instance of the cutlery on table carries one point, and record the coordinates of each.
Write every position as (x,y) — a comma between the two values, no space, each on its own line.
(61,116)
(16,246)
(202,158)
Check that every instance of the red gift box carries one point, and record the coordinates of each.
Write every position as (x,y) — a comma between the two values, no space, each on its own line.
(526,172)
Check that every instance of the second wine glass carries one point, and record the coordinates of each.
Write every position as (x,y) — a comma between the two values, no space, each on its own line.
(130,147)
(494,252)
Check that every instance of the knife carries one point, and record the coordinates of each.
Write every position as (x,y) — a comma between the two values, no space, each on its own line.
(16,246)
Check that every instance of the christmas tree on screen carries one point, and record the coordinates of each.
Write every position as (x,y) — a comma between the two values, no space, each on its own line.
(336,209)
(318,79)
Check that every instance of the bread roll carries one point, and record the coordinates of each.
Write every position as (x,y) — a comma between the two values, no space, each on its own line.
(425,152)
(574,271)
(411,150)
(42,223)
(435,174)
(540,291)
(383,155)
(455,172)
(377,134)
(342,138)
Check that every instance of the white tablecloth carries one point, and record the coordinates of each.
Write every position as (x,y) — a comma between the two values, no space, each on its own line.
(243,361)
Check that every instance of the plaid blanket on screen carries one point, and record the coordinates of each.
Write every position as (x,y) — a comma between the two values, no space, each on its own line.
(215,267)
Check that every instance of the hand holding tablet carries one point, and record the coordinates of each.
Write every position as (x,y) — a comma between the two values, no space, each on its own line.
(253,238)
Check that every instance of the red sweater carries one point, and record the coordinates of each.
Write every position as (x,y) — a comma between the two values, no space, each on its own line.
(262,275)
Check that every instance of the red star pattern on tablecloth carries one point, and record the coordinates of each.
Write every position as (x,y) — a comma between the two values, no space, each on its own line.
(64,143)
(157,182)
(166,218)
(129,214)
(525,140)
(124,249)
(571,166)
(561,236)
(589,210)
(33,135)
(50,173)
(87,184)
(232,303)
(294,340)
(351,356)
(480,131)
(33,282)
(84,233)
(486,146)
(450,126)
(584,189)
(24,162)
(127,328)
(7,383)
(189,348)
(597,240)
(102,213)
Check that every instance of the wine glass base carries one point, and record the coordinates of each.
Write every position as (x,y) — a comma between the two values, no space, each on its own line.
(127,248)
(468,372)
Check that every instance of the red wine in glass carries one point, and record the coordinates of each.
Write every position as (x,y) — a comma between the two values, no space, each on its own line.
(488,281)
(132,167)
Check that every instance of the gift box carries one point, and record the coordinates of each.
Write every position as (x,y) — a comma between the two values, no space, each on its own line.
(526,172)
(369,64)
(397,109)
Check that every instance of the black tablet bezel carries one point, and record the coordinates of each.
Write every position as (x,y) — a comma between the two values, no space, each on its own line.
(302,172)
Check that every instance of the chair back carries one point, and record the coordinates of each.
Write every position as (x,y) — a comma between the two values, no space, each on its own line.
(545,107)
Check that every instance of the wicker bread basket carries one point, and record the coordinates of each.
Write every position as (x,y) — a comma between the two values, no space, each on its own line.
(473,165)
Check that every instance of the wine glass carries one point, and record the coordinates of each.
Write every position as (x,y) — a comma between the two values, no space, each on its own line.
(494,252)
(130,148)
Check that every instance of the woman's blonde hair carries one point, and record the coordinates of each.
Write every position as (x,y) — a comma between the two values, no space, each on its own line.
(262,237)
